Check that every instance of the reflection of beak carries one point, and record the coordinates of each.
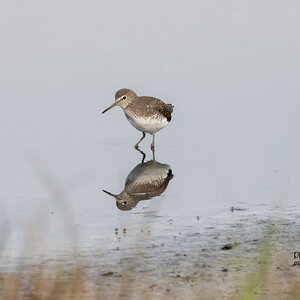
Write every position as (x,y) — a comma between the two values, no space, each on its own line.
(105,110)
(113,195)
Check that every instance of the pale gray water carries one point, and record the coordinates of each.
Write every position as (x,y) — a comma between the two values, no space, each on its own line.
(230,69)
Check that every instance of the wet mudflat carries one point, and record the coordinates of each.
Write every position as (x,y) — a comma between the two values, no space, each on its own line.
(193,260)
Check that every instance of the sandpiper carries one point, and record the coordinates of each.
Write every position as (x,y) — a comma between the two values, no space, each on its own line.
(145,181)
(146,114)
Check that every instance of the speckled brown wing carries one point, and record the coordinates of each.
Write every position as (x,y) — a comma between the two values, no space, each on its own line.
(150,190)
(153,106)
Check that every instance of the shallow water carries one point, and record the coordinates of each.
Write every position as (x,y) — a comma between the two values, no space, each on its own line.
(52,186)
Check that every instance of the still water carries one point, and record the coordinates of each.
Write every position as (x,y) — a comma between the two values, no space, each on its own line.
(76,181)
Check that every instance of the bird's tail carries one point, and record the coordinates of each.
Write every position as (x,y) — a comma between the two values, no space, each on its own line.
(170,107)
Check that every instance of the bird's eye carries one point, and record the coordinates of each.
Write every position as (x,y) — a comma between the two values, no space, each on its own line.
(124,97)
(125,202)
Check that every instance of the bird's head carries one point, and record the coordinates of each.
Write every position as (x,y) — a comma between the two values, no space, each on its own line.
(123,98)
(124,201)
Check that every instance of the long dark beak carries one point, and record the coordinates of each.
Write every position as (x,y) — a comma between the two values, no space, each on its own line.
(105,110)
(113,195)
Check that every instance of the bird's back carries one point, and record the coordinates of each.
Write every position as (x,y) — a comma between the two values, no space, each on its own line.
(149,106)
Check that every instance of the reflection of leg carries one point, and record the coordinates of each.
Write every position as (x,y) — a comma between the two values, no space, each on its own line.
(143,153)
(153,153)
(152,145)
(137,144)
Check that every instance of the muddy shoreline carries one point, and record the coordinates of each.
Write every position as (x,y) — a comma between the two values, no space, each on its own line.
(213,262)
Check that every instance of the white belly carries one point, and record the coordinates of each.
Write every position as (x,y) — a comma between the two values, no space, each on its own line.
(148,125)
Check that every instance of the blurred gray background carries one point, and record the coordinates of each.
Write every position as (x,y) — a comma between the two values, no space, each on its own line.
(230,68)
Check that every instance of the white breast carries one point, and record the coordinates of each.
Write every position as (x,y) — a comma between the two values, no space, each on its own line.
(149,125)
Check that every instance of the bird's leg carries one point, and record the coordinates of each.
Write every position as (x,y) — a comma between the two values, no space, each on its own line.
(153,144)
(153,153)
(137,144)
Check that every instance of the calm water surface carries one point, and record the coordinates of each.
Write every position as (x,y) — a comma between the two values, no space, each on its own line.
(52,198)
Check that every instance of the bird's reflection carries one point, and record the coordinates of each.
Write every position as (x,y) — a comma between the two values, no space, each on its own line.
(147,180)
